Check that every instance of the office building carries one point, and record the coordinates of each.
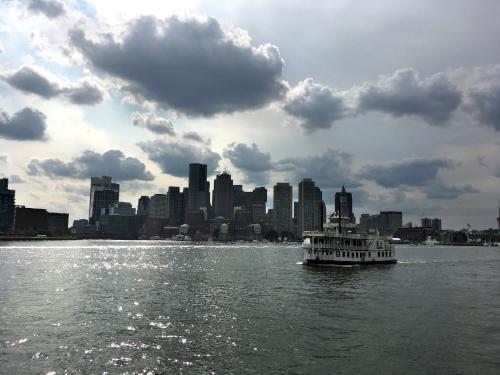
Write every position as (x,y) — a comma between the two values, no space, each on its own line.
(199,193)
(282,207)
(103,193)
(390,221)
(121,208)
(426,222)
(143,206)
(258,212)
(319,209)
(259,195)
(436,224)
(343,205)
(7,206)
(242,198)
(158,206)
(175,205)
(307,195)
(222,198)
(40,221)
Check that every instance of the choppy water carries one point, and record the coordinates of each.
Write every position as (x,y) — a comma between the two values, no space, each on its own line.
(157,307)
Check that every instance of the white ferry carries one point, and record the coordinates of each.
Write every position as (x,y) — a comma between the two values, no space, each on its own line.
(338,244)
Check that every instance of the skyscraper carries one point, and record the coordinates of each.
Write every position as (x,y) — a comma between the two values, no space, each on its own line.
(282,207)
(222,198)
(175,205)
(199,195)
(319,209)
(143,206)
(158,206)
(260,195)
(343,204)
(103,193)
(307,193)
(7,206)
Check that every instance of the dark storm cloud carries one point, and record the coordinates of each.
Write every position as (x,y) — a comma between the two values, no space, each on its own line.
(413,172)
(25,125)
(153,123)
(111,163)
(174,158)
(483,96)
(329,170)
(441,191)
(315,105)
(253,163)
(404,93)
(34,81)
(51,8)
(190,65)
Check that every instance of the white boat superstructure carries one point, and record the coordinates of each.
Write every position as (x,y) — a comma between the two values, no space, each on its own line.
(340,246)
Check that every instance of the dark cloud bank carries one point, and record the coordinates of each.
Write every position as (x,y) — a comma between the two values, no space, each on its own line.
(173,157)
(33,81)
(190,65)
(111,163)
(25,125)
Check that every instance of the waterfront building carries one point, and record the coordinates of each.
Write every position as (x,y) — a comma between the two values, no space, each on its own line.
(158,206)
(426,222)
(436,224)
(307,196)
(40,221)
(222,198)
(175,205)
(390,221)
(143,206)
(7,206)
(282,207)
(103,193)
(343,204)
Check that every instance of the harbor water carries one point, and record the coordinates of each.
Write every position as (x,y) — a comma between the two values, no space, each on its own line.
(157,307)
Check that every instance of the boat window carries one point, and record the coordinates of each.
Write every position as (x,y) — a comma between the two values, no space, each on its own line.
(369,254)
(338,253)
(343,253)
(378,254)
(390,253)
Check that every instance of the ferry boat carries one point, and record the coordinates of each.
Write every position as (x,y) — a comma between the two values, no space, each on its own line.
(339,244)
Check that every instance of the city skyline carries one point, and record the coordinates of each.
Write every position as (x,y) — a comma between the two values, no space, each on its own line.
(405,117)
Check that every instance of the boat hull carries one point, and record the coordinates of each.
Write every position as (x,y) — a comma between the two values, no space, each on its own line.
(320,262)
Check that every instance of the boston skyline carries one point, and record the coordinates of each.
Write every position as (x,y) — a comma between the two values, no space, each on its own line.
(402,112)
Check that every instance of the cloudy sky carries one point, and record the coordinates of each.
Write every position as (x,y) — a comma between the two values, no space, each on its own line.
(399,100)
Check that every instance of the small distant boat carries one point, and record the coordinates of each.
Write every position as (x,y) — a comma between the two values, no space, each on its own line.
(430,242)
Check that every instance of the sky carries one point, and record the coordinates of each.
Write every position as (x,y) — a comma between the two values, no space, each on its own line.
(397,100)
